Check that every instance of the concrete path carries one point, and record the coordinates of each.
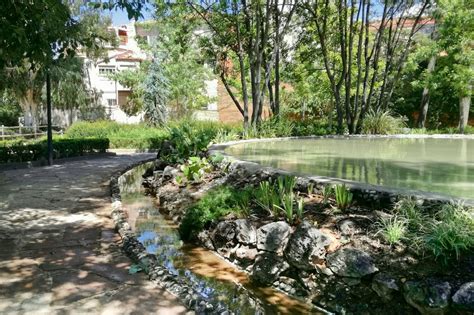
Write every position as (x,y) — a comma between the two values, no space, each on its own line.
(59,253)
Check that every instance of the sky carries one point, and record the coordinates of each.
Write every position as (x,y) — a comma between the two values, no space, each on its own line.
(120,17)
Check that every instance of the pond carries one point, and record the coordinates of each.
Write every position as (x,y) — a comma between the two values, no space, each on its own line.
(444,166)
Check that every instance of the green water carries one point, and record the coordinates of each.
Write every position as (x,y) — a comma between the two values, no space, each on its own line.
(442,166)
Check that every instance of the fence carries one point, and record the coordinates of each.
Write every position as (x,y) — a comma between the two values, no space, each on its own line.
(8,133)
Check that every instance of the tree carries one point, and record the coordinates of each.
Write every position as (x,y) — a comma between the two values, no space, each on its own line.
(456,40)
(250,32)
(362,58)
(155,93)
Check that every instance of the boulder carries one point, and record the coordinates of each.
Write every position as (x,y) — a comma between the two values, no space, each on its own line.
(306,247)
(351,262)
(385,286)
(245,232)
(463,299)
(429,297)
(224,234)
(267,268)
(273,237)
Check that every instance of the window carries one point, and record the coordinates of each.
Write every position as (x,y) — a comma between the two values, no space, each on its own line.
(111,102)
(105,71)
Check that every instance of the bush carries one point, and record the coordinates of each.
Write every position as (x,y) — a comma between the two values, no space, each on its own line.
(380,122)
(451,232)
(34,150)
(214,205)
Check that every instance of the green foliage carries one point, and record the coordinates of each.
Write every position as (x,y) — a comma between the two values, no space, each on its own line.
(393,229)
(327,193)
(9,109)
(278,197)
(195,168)
(380,122)
(447,234)
(451,232)
(343,197)
(24,151)
(214,205)
(287,206)
(155,93)
(267,197)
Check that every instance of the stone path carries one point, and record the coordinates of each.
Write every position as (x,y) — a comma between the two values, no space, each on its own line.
(59,253)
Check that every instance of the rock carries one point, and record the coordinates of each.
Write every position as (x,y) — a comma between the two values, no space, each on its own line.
(205,239)
(246,255)
(159,165)
(273,237)
(348,227)
(267,268)
(245,232)
(429,296)
(334,243)
(169,172)
(351,262)
(385,286)
(306,247)
(224,234)
(463,299)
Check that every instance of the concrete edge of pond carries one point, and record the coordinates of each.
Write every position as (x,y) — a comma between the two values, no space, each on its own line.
(137,252)
(362,192)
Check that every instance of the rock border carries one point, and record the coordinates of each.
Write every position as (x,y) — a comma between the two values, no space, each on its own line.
(137,252)
(364,193)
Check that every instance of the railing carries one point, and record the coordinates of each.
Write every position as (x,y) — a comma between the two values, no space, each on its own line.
(8,133)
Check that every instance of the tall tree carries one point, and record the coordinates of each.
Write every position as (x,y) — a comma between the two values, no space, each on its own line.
(456,38)
(155,93)
(363,51)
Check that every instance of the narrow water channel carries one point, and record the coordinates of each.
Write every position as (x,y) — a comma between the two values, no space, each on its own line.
(213,277)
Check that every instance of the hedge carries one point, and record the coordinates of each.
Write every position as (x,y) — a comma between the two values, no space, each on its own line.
(25,151)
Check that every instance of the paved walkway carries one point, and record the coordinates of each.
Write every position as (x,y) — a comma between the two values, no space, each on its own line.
(59,253)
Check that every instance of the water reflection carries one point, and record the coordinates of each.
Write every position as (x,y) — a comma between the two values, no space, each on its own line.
(215,279)
(444,166)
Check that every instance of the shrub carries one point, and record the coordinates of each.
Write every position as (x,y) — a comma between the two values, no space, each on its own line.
(195,168)
(382,122)
(343,197)
(33,150)
(451,232)
(214,205)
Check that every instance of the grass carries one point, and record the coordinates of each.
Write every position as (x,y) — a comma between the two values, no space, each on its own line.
(343,197)
(393,229)
(447,234)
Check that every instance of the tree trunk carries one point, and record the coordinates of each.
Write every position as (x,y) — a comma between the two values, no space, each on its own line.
(425,97)
(464,107)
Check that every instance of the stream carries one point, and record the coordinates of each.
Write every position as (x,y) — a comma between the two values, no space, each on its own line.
(217,280)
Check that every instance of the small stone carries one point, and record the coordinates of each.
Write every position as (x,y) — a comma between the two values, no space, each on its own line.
(348,227)
(429,297)
(273,237)
(351,262)
(169,172)
(246,255)
(463,299)
(385,286)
